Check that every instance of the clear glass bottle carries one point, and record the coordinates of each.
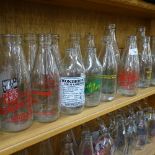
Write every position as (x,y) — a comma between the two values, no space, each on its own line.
(104,143)
(93,71)
(45,148)
(86,145)
(111,31)
(75,43)
(56,51)
(153,60)
(141,32)
(70,145)
(30,48)
(109,74)
(23,152)
(72,84)
(45,83)
(145,60)
(129,69)
(15,91)
(68,149)
(141,130)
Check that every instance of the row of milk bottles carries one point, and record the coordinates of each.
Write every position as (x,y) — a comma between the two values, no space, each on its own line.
(47,84)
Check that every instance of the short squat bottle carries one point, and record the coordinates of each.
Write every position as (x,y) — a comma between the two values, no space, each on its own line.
(93,68)
(129,69)
(153,60)
(72,84)
(109,74)
(145,60)
(45,83)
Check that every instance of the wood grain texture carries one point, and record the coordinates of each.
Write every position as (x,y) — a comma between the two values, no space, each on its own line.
(12,142)
(129,7)
(27,17)
(65,17)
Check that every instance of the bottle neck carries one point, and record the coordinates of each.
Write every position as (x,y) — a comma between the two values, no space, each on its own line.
(112,34)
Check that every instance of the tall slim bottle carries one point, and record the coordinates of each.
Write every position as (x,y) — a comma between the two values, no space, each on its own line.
(145,60)
(56,51)
(109,74)
(128,76)
(112,32)
(93,68)
(45,83)
(72,84)
(75,43)
(30,48)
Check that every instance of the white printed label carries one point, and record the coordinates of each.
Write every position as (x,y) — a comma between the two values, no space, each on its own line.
(72,91)
(133,51)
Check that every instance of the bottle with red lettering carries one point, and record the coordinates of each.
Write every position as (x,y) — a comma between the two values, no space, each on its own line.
(15,90)
(45,83)
(129,69)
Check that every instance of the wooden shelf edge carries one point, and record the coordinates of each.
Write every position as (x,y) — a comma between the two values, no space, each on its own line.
(12,142)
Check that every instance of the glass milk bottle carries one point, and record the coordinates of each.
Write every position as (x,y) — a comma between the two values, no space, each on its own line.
(45,83)
(111,31)
(145,60)
(109,74)
(93,69)
(129,69)
(15,90)
(72,84)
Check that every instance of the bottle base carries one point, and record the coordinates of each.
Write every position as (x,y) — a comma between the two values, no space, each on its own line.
(15,127)
(71,111)
(46,119)
(107,97)
(127,92)
(92,100)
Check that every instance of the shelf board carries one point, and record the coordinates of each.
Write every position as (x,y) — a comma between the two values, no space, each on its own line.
(129,7)
(12,142)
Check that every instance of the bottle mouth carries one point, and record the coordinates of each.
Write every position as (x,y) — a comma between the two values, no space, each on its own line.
(13,38)
(45,38)
(111,26)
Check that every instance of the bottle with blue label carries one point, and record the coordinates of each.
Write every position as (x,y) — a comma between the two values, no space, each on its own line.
(93,67)
(72,84)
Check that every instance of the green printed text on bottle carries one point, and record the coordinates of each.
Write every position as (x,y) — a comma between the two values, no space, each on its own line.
(93,84)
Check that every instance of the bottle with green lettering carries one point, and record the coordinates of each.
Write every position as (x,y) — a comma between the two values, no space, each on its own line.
(109,74)
(93,75)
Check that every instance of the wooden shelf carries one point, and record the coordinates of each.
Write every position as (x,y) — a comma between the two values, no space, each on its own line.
(12,142)
(129,7)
